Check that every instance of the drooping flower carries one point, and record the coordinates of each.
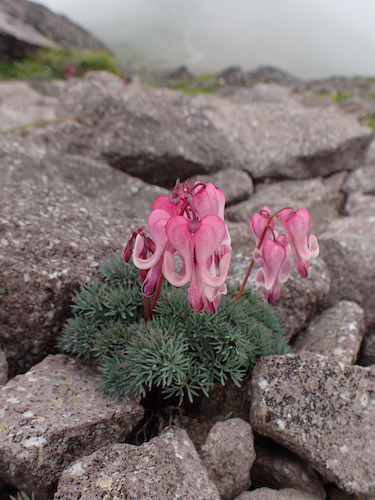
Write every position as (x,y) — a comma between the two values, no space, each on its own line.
(259,221)
(189,224)
(304,246)
(274,268)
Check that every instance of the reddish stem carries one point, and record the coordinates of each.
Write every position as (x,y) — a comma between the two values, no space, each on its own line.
(146,309)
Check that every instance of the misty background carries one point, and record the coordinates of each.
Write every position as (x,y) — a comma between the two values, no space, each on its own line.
(310,38)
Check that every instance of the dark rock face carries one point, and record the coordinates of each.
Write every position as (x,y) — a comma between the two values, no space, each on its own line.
(321,410)
(35,20)
(52,415)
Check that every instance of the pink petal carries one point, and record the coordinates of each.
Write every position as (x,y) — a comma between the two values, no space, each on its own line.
(210,200)
(157,221)
(182,240)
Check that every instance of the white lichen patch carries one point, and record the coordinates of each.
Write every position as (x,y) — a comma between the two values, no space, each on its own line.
(262,383)
(28,414)
(364,400)
(344,448)
(34,441)
(280,424)
(13,400)
(104,482)
(76,469)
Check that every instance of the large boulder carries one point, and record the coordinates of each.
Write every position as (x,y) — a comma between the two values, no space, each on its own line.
(166,468)
(52,415)
(38,26)
(323,411)
(61,218)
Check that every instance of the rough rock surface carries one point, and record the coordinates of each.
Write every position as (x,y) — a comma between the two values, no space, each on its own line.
(358,204)
(3,368)
(348,248)
(275,467)
(321,197)
(321,410)
(166,468)
(367,354)
(336,333)
(361,180)
(228,454)
(53,26)
(290,141)
(54,414)
(269,494)
(20,104)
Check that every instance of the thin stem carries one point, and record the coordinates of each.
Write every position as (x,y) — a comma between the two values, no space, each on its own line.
(156,294)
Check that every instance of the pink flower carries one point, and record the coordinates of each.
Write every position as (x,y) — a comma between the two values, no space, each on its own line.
(297,225)
(259,221)
(198,243)
(275,266)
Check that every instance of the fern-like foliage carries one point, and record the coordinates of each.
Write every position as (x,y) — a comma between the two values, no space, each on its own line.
(179,352)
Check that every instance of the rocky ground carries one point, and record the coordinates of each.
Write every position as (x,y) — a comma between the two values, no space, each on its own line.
(74,186)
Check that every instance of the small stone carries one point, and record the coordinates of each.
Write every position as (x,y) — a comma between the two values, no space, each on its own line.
(269,494)
(228,455)
(165,468)
(327,412)
(59,414)
(3,368)
(337,333)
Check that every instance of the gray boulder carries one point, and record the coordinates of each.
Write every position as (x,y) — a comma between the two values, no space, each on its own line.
(270,494)
(165,468)
(337,333)
(228,454)
(52,415)
(323,411)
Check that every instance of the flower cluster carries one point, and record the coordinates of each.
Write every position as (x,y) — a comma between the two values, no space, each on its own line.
(189,243)
(274,250)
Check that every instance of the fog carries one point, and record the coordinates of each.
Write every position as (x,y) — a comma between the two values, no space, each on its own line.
(310,38)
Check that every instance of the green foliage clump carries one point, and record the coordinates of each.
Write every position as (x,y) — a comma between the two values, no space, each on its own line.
(368,120)
(53,63)
(178,352)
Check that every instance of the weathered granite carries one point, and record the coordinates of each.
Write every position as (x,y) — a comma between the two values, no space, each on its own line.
(269,494)
(3,368)
(323,411)
(336,333)
(165,468)
(52,415)
(348,247)
(228,454)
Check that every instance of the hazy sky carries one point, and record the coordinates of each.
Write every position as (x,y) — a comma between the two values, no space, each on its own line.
(312,38)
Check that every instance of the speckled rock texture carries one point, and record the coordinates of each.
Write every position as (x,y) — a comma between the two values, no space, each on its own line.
(275,467)
(166,468)
(336,333)
(269,494)
(54,414)
(288,140)
(3,368)
(361,180)
(61,218)
(321,410)
(228,454)
(348,247)
(322,197)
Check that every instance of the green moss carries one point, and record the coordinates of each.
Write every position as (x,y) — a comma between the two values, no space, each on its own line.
(53,63)
(339,97)
(368,121)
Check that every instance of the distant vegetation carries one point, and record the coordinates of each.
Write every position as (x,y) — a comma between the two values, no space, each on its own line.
(58,63)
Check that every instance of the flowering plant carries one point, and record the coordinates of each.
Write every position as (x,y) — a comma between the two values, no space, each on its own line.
(178,341)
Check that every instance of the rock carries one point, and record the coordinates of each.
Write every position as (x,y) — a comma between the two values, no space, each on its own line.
(269,494)
(52,415)
(232,75)
(278,468)
(288,140)
(17,39)
(262,92)
(167,467)
(321,410)
(321,197)
(54,27)
(362,179)
(3,368)
(348,248)
(20,104)
(180,73)
(236,184)
(228,455)
(370,155)
(51,240)
(271,74)
(336,333)
(358,204)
